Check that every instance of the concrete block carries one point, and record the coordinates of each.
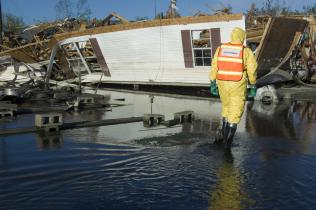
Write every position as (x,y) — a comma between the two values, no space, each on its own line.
(6,113)
(150,120)
(184,117)
(85,100)
(50,122)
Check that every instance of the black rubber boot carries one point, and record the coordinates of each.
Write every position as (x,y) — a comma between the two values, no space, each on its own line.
(229,133)
(219,136)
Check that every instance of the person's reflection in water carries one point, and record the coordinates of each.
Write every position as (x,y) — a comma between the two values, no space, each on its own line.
(3,151)
(228,192)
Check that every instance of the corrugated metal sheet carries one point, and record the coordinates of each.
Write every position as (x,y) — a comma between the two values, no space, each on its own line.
(153,23)
(277,42)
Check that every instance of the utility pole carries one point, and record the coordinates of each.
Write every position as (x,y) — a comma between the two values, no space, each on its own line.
(155,8)
(171,13)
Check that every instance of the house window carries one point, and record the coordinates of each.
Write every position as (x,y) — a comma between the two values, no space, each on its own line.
(201,46)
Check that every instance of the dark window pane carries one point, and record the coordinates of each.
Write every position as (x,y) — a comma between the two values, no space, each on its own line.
(207,61)
(45,120)
(56,119)
(207,53)
(198,61)
(198,53)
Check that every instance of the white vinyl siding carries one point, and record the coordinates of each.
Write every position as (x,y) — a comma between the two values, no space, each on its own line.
(154,54)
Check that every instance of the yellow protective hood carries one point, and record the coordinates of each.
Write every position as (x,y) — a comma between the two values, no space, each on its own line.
(237,36)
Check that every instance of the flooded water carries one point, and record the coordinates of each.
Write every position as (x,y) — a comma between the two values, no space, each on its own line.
(131,166)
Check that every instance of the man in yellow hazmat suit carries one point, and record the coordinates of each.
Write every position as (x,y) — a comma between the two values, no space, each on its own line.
(233,66)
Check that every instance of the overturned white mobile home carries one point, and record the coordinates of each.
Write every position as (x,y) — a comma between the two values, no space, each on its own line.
(166,52)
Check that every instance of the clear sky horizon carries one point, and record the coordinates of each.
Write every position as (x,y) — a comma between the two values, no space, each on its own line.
(34,11)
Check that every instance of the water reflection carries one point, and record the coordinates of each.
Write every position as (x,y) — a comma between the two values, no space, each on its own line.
(228,193)
(293,121)
(130,166)
(302,116)
(91,133)
(287,128)
(51,140)
(206,113)
(3,152)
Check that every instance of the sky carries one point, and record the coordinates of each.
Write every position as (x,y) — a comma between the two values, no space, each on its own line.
(34,11)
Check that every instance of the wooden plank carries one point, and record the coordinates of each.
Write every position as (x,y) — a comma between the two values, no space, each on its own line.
(62,61)
(106,122)
(187,48)
(152,23)
(263,38)
(100,58)
(15,131)
(74,125)
(12,50)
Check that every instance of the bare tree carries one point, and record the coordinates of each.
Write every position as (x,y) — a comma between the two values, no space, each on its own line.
(275,8)
(12,23)
(83,11)
(64,9)
(71,8)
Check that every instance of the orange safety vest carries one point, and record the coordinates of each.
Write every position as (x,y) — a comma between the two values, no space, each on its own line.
(230,62)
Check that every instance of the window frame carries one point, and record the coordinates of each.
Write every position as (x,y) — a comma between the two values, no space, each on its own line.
(201,48)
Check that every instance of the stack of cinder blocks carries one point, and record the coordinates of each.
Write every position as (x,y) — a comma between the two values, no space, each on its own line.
(158,119)
(184,117)
(49,122)
(153,119)
(84,101)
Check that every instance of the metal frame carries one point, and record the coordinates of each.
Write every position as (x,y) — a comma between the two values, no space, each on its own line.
(50,65)
(82,58)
